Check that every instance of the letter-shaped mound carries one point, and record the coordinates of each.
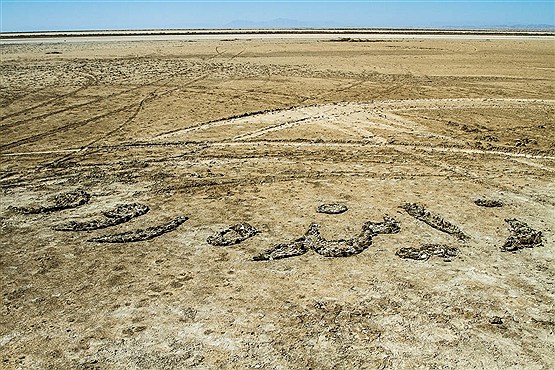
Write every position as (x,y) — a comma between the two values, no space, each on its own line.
(522,236)
(427,250)
(331,248)
(141,234)
(72,199)
(434,220)
(119,215)
(232,235)
(332,209)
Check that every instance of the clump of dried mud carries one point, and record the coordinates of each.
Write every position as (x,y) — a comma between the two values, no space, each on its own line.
(434,220)
(232,235)
(332,208)
(313,240)
(59,202)
(490,203)
(119,215)
(522,236)
(141,234)
(428,250)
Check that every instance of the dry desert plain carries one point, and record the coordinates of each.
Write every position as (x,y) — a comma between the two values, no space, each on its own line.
(171,142)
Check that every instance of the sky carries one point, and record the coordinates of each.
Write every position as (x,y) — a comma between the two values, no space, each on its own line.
(55,15)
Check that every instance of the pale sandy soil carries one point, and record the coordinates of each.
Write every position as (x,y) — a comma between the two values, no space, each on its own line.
(265,131)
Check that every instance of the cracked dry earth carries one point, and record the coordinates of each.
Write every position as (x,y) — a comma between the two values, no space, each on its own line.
(214,133)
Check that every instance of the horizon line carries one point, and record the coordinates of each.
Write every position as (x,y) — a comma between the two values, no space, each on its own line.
(215,30)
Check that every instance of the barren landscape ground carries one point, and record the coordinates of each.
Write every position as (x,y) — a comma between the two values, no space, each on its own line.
(263,132)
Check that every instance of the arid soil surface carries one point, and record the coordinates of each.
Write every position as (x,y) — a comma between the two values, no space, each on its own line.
(121,160)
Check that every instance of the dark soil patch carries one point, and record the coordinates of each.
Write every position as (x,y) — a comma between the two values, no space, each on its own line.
(119,215)
(232,235)
(434,220)
(141,234)
(522,236)
(72,199)
(332,209)
(428,250)
(331,248)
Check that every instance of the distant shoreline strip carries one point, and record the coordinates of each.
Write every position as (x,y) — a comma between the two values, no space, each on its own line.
(231,32)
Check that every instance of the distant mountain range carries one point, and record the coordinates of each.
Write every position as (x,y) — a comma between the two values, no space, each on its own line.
(285,23)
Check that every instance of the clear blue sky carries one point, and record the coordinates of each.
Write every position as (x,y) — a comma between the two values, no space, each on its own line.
(42,15)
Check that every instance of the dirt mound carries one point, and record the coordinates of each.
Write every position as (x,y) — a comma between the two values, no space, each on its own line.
(332,208)
(488,203)
(141,234)
(427,250)
(331,248)
(119,215)
(72,199)
(232,235)
(434,220)
(522,236)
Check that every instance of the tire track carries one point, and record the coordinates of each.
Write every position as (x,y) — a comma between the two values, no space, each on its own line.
(334,91)
(139,105)
(63,128)
(359,145)
(91,80)
(464,172)
(150,96)
(97,100)
(279,126)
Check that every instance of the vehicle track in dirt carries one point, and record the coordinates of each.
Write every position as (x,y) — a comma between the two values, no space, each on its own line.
(81,105)
(91,81)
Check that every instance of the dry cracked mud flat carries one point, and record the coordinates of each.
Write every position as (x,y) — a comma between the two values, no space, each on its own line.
(156,197)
